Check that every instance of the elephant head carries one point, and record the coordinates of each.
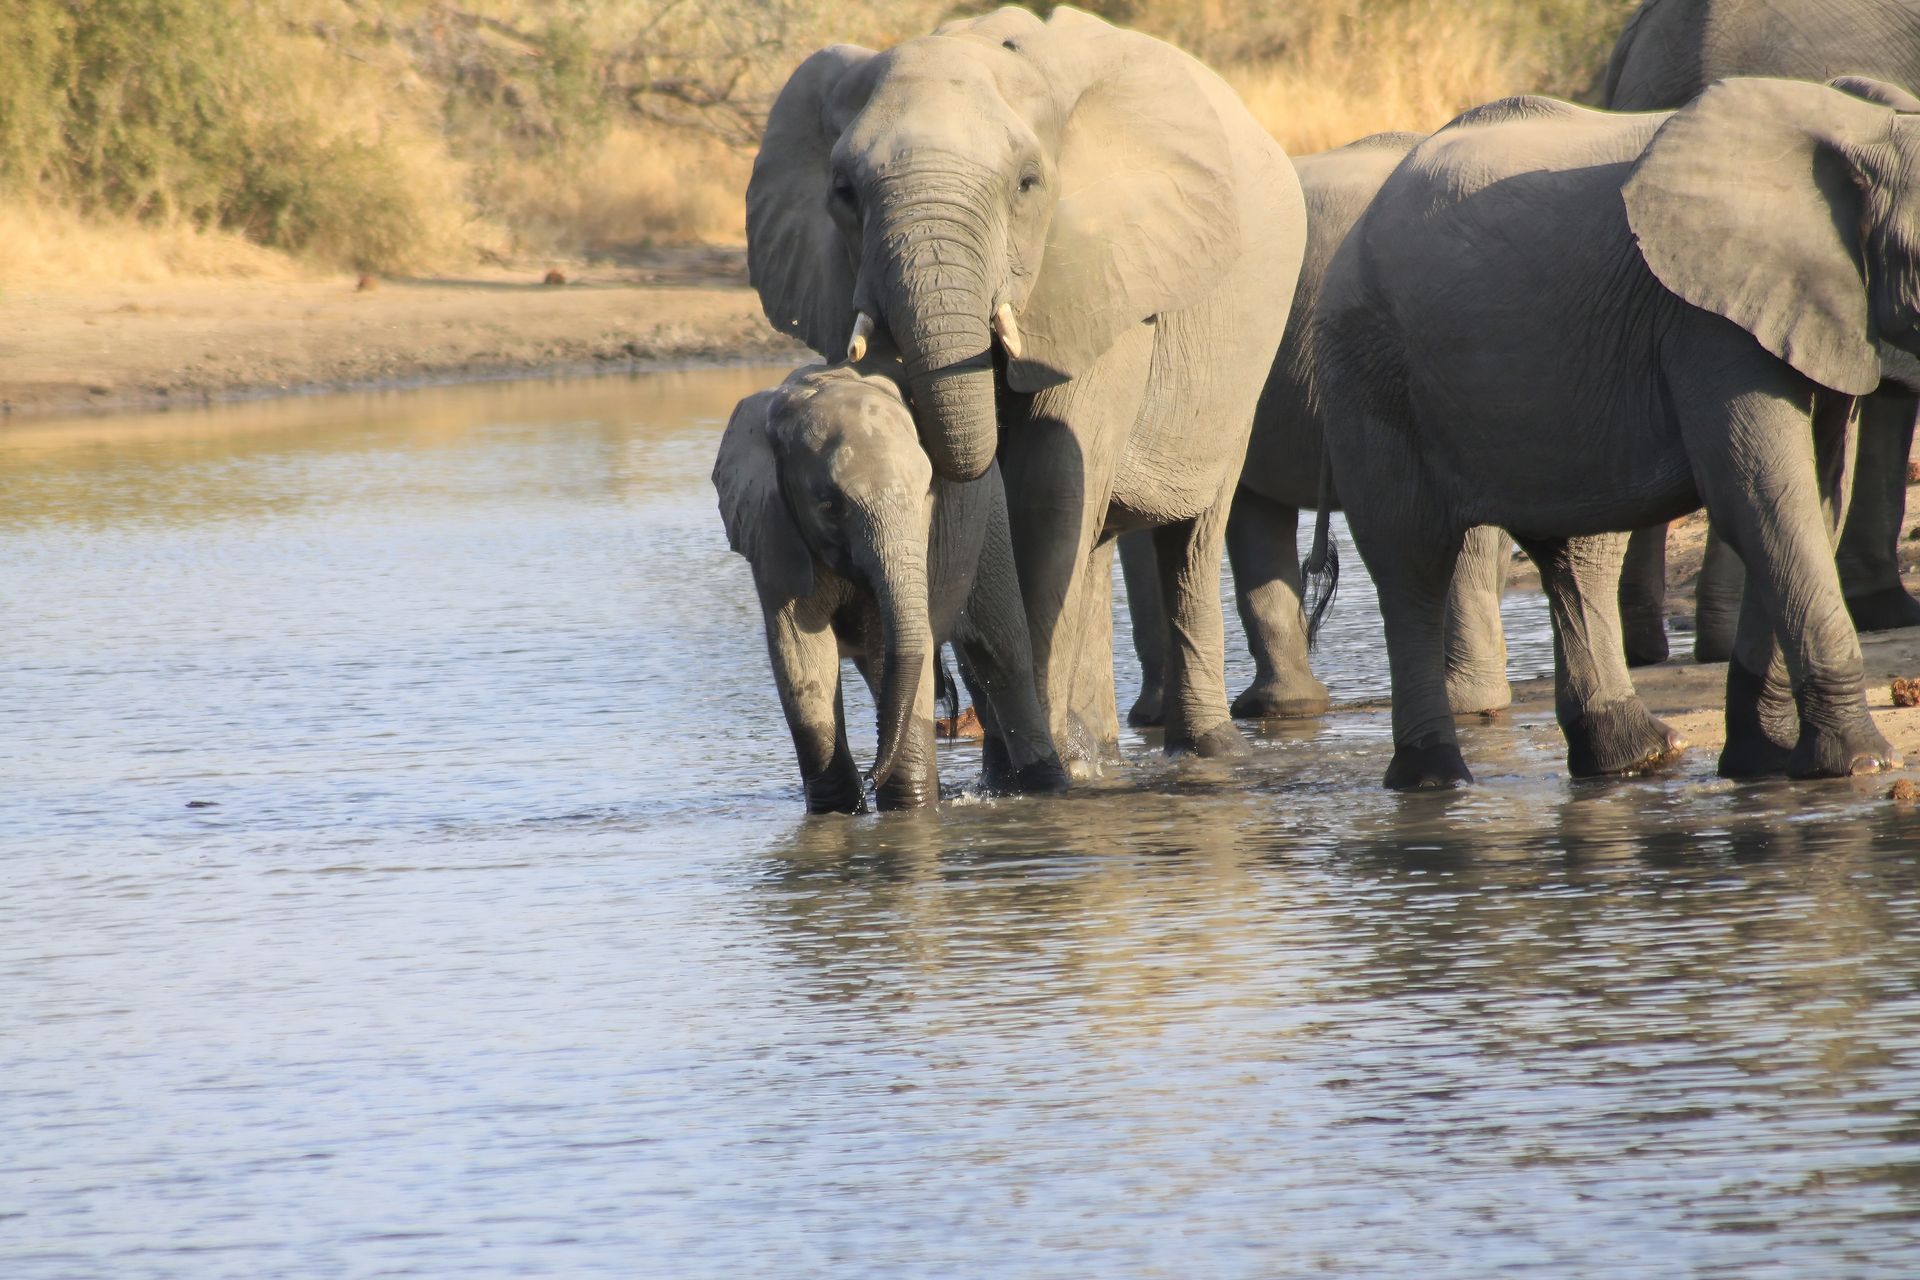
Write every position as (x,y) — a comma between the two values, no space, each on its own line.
(826,469)
(1049,184)
(1793,210)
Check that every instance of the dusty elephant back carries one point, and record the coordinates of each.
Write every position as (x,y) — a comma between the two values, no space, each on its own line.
(1672,49)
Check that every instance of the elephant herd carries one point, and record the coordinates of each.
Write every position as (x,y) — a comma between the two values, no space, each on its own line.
(1075,297)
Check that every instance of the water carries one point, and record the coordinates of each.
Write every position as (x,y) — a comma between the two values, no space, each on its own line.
(404,874)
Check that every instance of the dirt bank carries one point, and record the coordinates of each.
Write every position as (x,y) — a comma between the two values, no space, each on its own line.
(144,346)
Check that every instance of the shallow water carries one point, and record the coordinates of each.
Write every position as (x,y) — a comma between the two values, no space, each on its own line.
(404,875)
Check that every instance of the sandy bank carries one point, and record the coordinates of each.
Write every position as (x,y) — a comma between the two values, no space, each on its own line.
(150,345)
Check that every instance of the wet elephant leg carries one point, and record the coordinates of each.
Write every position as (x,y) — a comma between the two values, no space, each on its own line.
(915,781)
(1608,729)
(1643,597)
(806,668)
(1716,599)
(1869,547)
(1189,551)
(1476,644)
(1263,547)
(1149,625)
(1763,724)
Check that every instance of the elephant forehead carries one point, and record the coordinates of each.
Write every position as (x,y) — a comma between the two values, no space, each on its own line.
(956,90)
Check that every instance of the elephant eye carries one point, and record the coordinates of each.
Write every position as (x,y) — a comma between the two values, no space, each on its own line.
(1029,182)
(842,190)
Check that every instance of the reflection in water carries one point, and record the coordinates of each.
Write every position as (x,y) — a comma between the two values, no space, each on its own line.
(494,942)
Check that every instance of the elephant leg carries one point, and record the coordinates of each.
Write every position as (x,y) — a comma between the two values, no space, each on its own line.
(1149,625)
(1869,547)
(1747,440)
(1717,594)
(1643,597)
(1189,552)
(996,660)
(1476,646)
(806,669)
(1608,729)
(1763,724)
(1263,546)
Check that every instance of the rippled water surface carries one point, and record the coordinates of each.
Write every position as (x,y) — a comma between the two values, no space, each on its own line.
(403,873)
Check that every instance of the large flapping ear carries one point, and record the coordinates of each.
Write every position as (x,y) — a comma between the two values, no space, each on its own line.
(796,257)
(1147,217)
(1871,90)
(1746,204)
(759,525)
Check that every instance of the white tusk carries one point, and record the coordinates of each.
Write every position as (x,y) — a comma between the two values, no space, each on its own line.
(1003,324)
(857,344)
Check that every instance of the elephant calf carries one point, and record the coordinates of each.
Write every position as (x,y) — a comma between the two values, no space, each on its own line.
(858,551)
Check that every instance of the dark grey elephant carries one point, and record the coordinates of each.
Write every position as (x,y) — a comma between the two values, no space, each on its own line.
(1282,476)
(859,551)
(1573,323)
(1669,51)
(1074,235)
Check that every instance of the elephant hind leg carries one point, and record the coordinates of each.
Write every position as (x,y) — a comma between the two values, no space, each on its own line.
(1263,546)
(1149,619)
(1188,551)
(1643,597)
(1608,729)
(1476,639)
(1718,594)
(1763,724)
(1869,547)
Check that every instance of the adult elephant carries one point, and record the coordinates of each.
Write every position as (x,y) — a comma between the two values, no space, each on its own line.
(1669,51)
(1282,476)
(1570,323)
(1074,235)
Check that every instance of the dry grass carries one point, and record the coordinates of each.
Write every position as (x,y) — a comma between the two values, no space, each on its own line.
(53,248)
(638,188)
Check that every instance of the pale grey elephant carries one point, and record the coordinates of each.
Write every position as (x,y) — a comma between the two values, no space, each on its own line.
(1074,234)
(859,551)
(1282,476)
(1669,51)
(1573,323)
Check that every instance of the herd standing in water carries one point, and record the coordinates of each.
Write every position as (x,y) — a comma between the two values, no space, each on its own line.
(1050,262)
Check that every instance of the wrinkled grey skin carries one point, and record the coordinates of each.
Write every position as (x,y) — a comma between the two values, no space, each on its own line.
(1669,51)
(1573,323)
(1118,200)
(859,551)
(1282,475)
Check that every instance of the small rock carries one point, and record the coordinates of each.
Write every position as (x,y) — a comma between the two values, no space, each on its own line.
(366,283)
(1906,691)
(203,804)
(965,725)
(1913,472)
(1904,792)
(555,276)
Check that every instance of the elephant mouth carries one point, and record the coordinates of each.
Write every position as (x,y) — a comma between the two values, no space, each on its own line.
(1004,325)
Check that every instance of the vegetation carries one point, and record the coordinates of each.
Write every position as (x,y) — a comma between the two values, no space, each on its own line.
(408,135)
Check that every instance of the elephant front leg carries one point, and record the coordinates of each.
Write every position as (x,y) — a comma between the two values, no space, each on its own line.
(1263,547)
(806,669)
(1608,729)
(1476,645)
(1748,445)
(1763,723)
(1643,597)
(1189,551)
(1869,548)
(915,780)
(1149,626)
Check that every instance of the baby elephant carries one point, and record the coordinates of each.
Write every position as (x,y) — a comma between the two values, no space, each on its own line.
(859,552)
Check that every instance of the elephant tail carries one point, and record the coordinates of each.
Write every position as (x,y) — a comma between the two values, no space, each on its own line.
(1322,568)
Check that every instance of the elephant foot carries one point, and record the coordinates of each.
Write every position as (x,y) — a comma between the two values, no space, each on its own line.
(839,792)
(1147,710)
(1840,751)
(1277,701)
(1427,766)
(1043,776)
(1476,695)
(1888,609)
(1763,724)
(1222,742)
(1621,737)
(1645,639)
(1712,638)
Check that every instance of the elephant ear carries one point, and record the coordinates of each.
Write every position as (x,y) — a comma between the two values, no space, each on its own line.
(796,257)
(1747,204)
(759,526)
(1887,95)
(1147,218)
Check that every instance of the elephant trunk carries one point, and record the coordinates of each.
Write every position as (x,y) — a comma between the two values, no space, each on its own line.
(898,579)
(932,264)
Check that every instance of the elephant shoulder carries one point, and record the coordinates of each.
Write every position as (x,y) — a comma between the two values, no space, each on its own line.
(1520,136)
(1652,35)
